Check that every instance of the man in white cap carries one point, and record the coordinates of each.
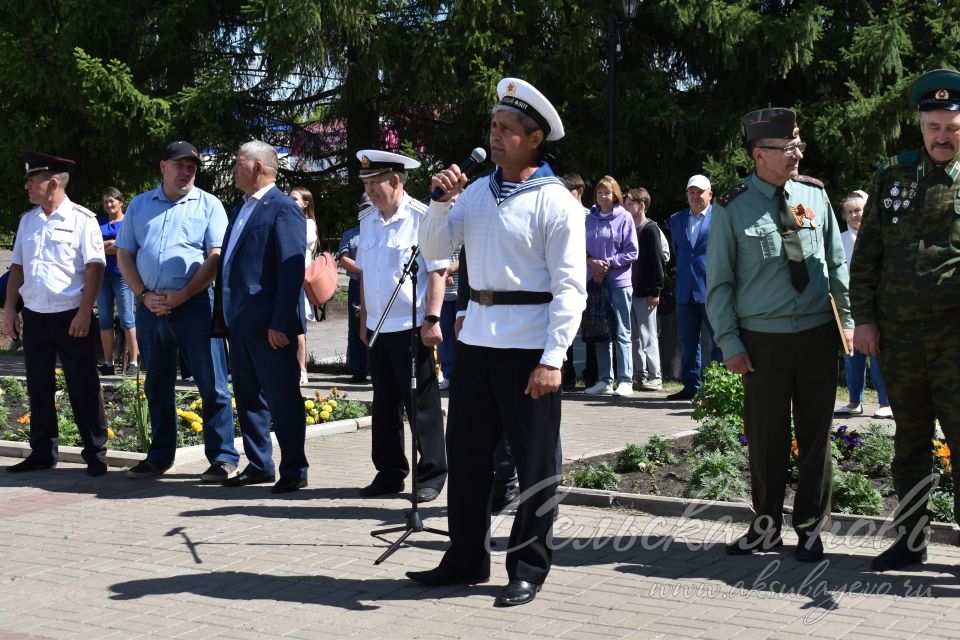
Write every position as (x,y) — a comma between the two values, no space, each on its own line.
(387,235)
(690,232)
(525,237)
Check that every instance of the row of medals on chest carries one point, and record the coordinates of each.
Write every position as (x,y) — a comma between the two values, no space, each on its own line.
(900,197)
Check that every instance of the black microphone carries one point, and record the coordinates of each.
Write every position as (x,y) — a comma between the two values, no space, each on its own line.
(477,156)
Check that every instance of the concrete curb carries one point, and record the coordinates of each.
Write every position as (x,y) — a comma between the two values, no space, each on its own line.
(844,524)
(185,455)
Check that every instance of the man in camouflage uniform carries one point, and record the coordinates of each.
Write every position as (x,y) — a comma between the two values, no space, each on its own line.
(906,294)
(774,260)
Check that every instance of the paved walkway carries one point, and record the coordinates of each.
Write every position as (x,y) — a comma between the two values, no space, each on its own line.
(115,558)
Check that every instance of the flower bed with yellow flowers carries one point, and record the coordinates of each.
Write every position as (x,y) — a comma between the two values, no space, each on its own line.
(128,419)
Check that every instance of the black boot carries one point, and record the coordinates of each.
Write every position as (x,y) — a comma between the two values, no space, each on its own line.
(905,550)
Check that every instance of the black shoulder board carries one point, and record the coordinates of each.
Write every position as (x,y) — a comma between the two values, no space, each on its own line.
(727,196)
(809,180)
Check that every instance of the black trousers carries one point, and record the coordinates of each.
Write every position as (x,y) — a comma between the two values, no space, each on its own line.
(45,337)
(798,369)
(389,360)
(487,400)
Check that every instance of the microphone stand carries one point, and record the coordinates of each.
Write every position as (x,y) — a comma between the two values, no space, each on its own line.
(414,522)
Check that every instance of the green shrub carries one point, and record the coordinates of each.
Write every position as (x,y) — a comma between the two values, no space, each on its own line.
(716,476)
(601,476)
(941,504)
(632,457)
(14,389)
(658,451)
(721,393)
(875,454)
(718,433)
(853,493)
(349,409)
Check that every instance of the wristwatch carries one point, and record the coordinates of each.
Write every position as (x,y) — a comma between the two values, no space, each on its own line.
(143,294)
(431,318)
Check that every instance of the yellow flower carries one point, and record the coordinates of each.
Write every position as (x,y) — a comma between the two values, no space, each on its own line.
(943,451)
(58,372)
(308,404)
(24,419)
(324,415)
(197,426)
(326,407)
(332,403)
(311,420)
(233,402)
(110,434)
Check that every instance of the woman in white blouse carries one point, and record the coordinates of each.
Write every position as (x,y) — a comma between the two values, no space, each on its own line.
(304,199)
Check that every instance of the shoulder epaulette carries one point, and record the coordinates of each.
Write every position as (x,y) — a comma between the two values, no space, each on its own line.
(907,157)
(418,205)
(810,180)
(727,196)
(80,209)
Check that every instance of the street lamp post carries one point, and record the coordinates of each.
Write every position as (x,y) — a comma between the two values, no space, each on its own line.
(613,47)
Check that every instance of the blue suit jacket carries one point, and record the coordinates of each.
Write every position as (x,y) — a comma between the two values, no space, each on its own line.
(265,269)
(691,260)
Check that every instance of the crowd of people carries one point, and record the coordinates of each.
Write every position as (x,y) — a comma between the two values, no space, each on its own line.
(763,272)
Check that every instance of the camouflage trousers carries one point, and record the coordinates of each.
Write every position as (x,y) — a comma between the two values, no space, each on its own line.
(921,363)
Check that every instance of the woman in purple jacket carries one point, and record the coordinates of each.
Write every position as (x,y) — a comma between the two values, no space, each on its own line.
(611,250)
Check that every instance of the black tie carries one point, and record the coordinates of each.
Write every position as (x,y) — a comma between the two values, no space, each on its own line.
(792,245)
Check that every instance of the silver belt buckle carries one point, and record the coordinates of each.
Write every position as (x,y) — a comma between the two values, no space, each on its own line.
(484,298)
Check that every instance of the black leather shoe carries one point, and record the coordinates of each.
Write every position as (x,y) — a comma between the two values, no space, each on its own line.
(249,477)
(30,464)
(427,494)
(440,576)
(97,468)
(375,489)
(517,592)
(754,542)
(809,548)
(901,554)
(683,394)
(286,485)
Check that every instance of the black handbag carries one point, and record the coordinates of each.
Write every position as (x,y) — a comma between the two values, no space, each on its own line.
(596,325)
(668,301)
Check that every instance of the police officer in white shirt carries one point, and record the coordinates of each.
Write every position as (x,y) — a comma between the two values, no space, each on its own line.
(525,236)
(57,268)
(387,236)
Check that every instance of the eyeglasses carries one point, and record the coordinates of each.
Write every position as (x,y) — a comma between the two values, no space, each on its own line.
(790,150)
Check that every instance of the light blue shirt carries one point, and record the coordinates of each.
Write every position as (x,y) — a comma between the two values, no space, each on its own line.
(170,239)
(694,222)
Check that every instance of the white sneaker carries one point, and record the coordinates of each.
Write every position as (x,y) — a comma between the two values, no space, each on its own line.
(883,412)
(624,389)
(652,385)
(847,411)
(601,388)
(303,378)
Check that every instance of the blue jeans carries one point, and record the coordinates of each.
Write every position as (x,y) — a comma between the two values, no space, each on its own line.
(690,316)
(447,348)
(856,366)
(622,299)
(114,288)
(186,331)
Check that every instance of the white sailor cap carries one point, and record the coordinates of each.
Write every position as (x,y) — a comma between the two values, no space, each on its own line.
(374,162)
(523,96)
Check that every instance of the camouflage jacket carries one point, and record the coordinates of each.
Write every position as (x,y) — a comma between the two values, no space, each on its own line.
(904,264)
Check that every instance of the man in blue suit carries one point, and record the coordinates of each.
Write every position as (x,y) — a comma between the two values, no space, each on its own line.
(690,232)
(259,306)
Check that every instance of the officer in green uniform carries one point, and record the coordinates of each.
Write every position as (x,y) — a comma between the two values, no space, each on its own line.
(774,260)
(905,290)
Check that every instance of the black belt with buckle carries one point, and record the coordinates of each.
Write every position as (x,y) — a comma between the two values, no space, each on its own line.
(491,298)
